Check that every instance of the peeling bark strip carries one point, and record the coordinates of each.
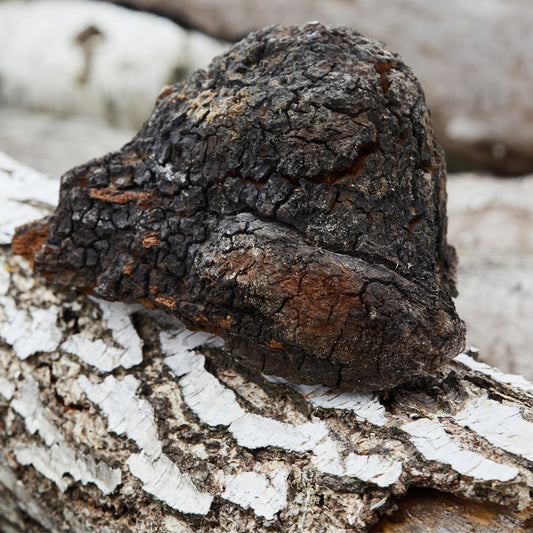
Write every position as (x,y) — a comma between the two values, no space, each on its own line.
(290,199)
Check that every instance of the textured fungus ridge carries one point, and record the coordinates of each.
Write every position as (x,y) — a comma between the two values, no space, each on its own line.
(290,199)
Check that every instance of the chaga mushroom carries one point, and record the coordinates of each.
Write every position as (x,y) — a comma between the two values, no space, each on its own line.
(291,199)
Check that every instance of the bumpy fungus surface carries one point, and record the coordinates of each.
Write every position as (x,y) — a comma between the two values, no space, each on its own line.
(290,199)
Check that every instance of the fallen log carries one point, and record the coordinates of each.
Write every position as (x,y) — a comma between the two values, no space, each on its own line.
(114,417)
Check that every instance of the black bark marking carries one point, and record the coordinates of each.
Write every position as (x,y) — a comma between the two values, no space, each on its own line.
(269,201)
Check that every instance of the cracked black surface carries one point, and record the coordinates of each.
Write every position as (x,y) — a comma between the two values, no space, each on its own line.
(291,199)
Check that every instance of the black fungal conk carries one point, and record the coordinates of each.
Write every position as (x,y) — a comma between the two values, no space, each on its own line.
(291,199)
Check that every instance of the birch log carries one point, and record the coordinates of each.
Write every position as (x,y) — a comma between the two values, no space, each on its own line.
(114,418)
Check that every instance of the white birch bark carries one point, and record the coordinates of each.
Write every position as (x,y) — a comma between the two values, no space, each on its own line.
(93,59)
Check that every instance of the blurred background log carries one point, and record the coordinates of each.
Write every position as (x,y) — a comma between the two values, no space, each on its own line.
(93,59)
(473,59)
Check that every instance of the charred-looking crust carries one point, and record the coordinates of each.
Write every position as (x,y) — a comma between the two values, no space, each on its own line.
(290,199)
